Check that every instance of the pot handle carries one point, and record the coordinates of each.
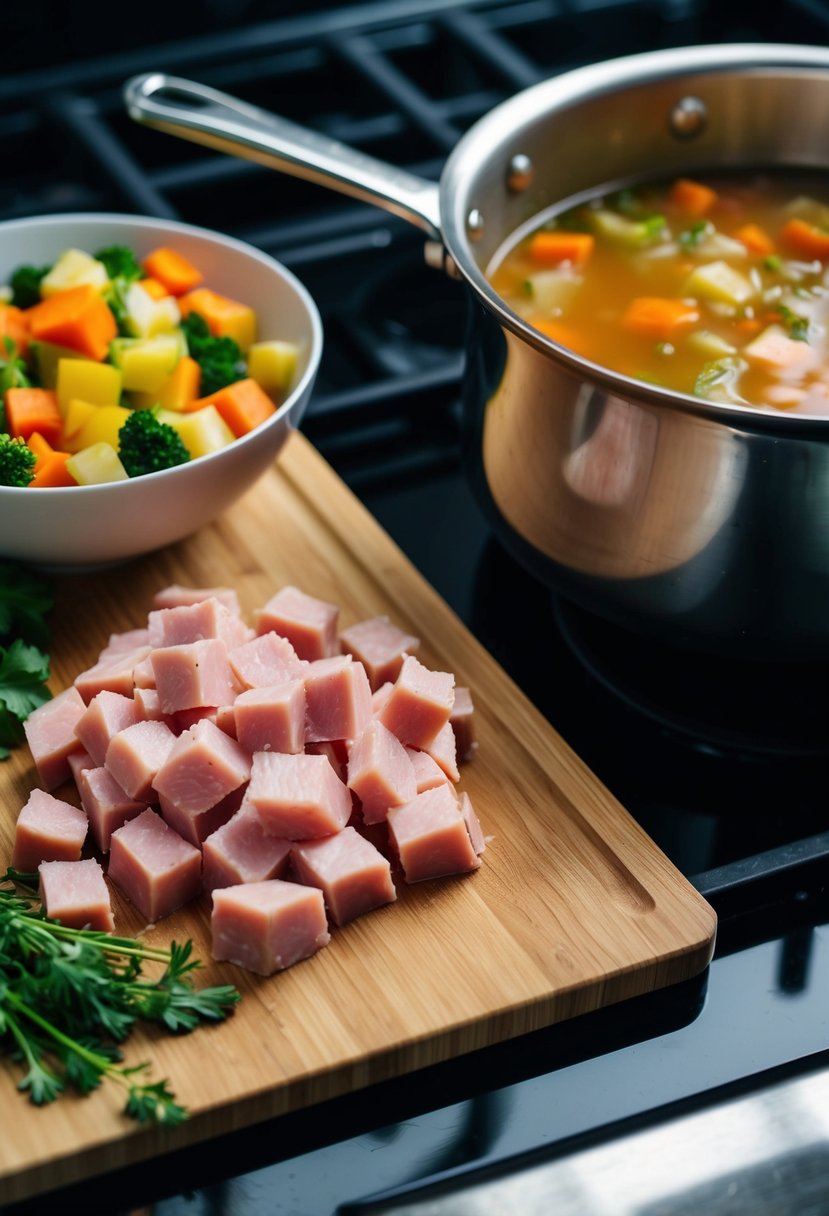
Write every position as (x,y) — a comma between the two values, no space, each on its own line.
(207,116)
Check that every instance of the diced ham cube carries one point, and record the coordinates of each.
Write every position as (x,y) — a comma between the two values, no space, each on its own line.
(271,719)
(428,773)
(264,661)
(107,806)
(431,836)
(442,749)
(136,754)
(153,866)
(208,618)
(380,646)
(47,829)
(119,643)
(225,719)
(774,350)
(76,894)
(352,875)
(337,699)
(183,719)
(336,752)
(268,926)
(201,768)
(419,703)
(196,826)
(299,797)
(143,675)
(78,761)
(192,675)
(106,714)
(148,706)
(309,624)
(115,674)
(176,595)
(473,824)
(241,852)
(380,772)
(50,733)
(462,721)
(380,697)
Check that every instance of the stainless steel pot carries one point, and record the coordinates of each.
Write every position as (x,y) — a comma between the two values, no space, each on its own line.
(699,523)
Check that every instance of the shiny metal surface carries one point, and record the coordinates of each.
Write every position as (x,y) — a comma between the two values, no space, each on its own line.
(762,1155)
(705,521)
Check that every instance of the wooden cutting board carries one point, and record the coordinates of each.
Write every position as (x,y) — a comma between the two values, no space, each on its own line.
(573,908)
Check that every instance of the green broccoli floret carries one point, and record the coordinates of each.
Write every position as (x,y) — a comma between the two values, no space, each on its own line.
(220,359)
(25,285)
(14,371)
(17,461)
(146,445)
(120,262)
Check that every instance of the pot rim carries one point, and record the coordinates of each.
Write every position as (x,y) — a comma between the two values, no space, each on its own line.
(564,92)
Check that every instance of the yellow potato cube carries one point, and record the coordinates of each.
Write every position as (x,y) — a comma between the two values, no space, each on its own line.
(47,356)
(202,432)
(719,282)
(273,364)
(96,464)
(74,268)
(97,383)
(102,426)
(147,317)
(77,413)
(146,363)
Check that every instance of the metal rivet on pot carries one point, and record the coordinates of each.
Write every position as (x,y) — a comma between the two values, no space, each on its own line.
(520,173)
(475,225)
(688,118)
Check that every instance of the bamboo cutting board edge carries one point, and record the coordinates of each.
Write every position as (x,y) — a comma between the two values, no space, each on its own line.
(628,874)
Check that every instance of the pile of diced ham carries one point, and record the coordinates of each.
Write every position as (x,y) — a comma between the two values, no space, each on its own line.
(289,769)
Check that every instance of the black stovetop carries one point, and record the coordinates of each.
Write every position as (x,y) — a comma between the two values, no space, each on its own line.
(726,768)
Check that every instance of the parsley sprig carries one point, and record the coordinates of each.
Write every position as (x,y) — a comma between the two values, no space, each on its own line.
(25,603)
(69,997)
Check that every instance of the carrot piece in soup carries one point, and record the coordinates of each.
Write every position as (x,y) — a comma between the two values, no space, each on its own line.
(13,324)
(805,239)
(76,318)
(693,197)
(659,318)
(176,272)
(551,248)
(33,409)
(755,239)
(243,405)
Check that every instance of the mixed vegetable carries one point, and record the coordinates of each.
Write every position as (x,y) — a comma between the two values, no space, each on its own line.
(112,367)
(717,288)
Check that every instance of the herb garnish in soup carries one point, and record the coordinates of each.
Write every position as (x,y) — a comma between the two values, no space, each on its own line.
(712,286)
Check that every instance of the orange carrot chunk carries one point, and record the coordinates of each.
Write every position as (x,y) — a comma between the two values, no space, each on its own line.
(691,196)
(225,318)
(13,324)
(181,386)
(33,409)
(243,405)
(154,288)
(51,472)
(806,240)
(76,318)
(755,239)
(658,318)
(176,272)
(551,248)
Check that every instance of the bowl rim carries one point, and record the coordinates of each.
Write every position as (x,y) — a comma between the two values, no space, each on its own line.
(92,219)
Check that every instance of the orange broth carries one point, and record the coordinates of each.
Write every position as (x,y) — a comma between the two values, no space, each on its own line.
(714,286)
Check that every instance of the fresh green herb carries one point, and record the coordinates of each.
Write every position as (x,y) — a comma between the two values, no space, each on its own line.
(25,285)
(797,327)
(691,237)
(69,997)
(14,372)
(220,359)
(24,671)
(146,445)
(772,262)
(17,461)
(26,599)
(122,269)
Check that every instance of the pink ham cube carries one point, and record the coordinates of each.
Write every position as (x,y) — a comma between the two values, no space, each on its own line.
(428,773)
(148,706)
(78,761)
(202,767)
(153,866)
(271,719)
(241,852)
(136,754)
(298,797)
(309,624)
(380,646)
(176,595)
(419,703)
(119,643)
(268,926)
(337,699)
(264,661)
(76,894)
(192,675)
(115,674)
(196,826)
(352,875)
(380,772)
(143,675)
(442,749)
(47,829)
(50,733)
(462,721)
(431,836)
(106,714)
(107,806)
(208,618)
(336,752)
(473,824)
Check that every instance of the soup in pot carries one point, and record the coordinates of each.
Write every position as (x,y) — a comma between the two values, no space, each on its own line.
(715,286)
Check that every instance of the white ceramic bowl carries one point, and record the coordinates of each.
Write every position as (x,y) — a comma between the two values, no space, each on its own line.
(80,527)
